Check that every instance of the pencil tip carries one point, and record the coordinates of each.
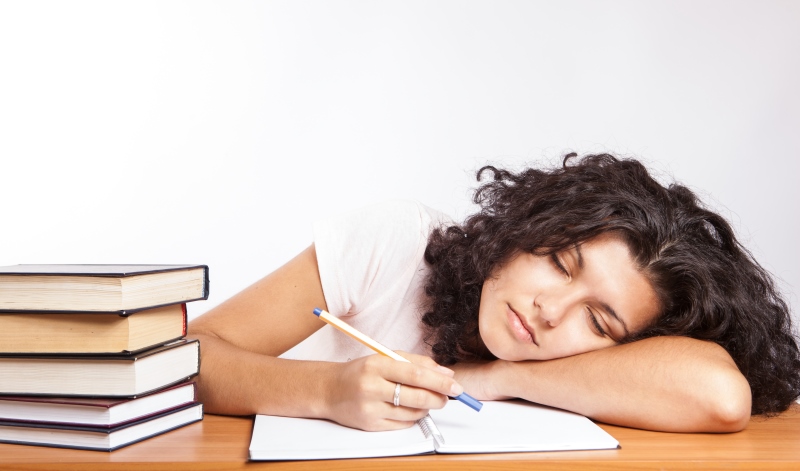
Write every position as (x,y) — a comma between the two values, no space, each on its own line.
(317,311)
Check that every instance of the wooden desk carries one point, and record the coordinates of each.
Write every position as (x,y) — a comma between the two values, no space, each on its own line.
(220,443)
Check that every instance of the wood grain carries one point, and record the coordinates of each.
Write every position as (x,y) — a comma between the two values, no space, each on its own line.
(220,443)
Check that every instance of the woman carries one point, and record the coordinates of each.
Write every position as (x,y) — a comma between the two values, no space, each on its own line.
(590,288)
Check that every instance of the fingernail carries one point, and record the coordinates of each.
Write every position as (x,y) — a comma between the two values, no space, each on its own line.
(445,370)
(456,389)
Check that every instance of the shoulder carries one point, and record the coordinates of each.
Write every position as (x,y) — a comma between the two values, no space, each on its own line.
(366,253)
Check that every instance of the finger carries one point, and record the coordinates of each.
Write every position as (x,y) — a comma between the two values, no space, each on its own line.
(395,417)
(404,414)
(414,398)
(425,361)
(420,377)
(400,411)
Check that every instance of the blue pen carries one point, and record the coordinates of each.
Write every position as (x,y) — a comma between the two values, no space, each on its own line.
(347,329)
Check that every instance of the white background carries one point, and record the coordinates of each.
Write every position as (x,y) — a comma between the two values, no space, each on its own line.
(217,132)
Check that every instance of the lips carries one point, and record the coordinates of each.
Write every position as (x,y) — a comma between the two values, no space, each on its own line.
(520,328)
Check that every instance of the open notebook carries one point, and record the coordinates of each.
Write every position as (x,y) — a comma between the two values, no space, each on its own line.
(501,426)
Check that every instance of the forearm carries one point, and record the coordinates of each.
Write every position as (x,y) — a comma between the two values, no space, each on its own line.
(666,383)
(357,393)
(234,381)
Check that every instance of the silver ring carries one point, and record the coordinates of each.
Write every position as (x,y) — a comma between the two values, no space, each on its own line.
(397,394)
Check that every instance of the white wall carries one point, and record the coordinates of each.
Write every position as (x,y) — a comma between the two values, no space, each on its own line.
(215,132)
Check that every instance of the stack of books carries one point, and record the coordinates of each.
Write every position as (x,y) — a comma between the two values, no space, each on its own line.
(95,356)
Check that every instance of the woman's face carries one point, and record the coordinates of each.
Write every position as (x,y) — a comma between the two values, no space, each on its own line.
(582,299)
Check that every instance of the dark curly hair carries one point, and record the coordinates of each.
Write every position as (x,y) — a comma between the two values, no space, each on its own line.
(709,286)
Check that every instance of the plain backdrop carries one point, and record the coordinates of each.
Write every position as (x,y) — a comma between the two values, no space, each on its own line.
(217,132)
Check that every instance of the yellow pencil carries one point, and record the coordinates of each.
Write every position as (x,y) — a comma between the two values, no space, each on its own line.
(383,350)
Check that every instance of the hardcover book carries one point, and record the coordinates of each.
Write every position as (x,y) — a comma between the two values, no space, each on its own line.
(122,289)
(98,438)
(42,332)
(116,375)
(94,412)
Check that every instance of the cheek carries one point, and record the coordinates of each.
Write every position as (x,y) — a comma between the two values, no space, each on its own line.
(492,327)
(485,312)
(487,298)
(574,338)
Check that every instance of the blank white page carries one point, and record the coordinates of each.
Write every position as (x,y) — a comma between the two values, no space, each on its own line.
(287,438)
(516,426)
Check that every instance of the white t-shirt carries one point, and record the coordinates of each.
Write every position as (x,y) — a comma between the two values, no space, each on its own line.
(373,273)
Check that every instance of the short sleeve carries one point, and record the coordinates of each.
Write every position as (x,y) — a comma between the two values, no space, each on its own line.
(363,254)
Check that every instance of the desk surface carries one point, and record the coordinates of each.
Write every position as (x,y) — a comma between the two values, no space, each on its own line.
(220,443)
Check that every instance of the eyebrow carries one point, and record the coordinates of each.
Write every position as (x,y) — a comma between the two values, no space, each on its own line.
(611,312)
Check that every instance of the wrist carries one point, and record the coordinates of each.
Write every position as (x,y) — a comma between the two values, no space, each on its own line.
(323,393)
(500,377)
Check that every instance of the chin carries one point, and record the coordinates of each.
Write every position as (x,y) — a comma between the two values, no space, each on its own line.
(509,353)
(501,345)
(496,350)
(502,352)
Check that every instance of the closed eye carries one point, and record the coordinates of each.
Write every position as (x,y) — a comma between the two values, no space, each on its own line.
(598,328)
(558,264)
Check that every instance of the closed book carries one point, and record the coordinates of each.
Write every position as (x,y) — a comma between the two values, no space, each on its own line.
(42,332)
(117,375)
(94,412)
(98,438)
(99,288)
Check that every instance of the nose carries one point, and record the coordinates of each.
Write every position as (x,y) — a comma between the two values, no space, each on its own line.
(552,309)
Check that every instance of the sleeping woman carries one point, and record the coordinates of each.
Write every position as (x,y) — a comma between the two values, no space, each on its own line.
(589,287)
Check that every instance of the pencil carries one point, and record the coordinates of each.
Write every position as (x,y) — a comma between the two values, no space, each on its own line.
(383,350)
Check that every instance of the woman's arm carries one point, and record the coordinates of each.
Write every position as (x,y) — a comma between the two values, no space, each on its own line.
(240,373)
(674,384)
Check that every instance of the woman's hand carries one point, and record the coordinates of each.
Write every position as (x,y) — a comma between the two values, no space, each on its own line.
(361,392)
(476,378)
